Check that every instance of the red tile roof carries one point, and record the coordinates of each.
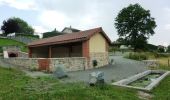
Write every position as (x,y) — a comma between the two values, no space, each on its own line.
(69,38)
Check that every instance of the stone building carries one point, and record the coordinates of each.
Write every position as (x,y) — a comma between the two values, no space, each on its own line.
(91,44)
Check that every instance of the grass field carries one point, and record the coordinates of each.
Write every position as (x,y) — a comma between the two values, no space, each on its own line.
(6,42)
(16,86)
(163,63)
(162,60)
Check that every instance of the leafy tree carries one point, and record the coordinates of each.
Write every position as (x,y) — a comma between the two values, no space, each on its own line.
(122,41)
(168,49)
(151,47)
(135,25)
(52,33)
(16,25)
(161,50)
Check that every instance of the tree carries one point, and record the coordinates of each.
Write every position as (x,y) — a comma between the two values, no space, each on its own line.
(122,41)
(135,25)
(168,49)
(161,50)
(52,33)
(151,47)
(16,25)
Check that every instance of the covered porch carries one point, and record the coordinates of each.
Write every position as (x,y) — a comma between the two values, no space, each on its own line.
(77,49)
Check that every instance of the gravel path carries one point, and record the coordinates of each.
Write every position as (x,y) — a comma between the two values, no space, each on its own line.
(123,68)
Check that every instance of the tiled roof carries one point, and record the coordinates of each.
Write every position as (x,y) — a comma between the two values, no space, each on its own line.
(69,38)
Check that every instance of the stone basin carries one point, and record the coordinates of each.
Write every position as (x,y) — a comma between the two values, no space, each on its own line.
(146,80)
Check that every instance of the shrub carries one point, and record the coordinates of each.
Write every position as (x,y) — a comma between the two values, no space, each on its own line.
(51,34)
(114,49)
(137,56)
(158,55)
(1,50)
(28,35)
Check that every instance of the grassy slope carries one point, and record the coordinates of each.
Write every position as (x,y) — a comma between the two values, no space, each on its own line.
(15,85)
(4,42)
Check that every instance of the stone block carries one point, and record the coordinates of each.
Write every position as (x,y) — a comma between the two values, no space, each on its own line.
(96,78)
(60,72)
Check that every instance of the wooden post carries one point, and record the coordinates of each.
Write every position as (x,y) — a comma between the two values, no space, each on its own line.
(168,62)
(49,52)
(69,50)
(30,52)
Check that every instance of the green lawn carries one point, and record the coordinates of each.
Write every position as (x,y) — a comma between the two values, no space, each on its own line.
(162,92)
(16,86)
(6,42)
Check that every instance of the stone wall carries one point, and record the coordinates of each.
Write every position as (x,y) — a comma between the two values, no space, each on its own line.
(102,59)
(24,39)
(26,63)
(11,48)
(70,64)
(22,54)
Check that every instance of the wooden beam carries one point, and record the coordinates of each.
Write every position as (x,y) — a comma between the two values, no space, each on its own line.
(49,52)
(69,50)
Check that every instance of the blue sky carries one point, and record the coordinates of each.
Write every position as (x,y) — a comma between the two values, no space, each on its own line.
(45,15)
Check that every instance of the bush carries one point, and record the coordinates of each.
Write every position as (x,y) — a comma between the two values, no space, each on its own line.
(161,50)
(1,50)
(137,56)
(51,34)
(114,49)
(28,35)
(158,55)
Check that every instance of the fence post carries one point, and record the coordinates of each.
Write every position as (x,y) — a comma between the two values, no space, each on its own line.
(168,62)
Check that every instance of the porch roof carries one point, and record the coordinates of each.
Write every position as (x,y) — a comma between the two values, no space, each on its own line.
(69,38)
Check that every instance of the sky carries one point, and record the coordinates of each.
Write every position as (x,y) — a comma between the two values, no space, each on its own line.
(46,15)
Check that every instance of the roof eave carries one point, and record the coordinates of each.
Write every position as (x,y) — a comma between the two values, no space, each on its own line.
(61,42)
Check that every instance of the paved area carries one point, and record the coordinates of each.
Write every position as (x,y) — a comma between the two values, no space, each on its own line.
(123,68)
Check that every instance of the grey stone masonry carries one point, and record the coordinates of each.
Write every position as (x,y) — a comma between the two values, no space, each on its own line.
(70,64)
(102,59)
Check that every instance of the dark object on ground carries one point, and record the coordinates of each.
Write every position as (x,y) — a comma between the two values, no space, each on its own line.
(96,78)
(94,63)
(60,72)
(111,62)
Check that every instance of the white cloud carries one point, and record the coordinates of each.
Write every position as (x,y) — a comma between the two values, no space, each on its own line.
(54,19)
(20,4)
(167,9)
(167,12)
(39,30)
(86,14)
(165,44)
(167,27)
(0,32)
